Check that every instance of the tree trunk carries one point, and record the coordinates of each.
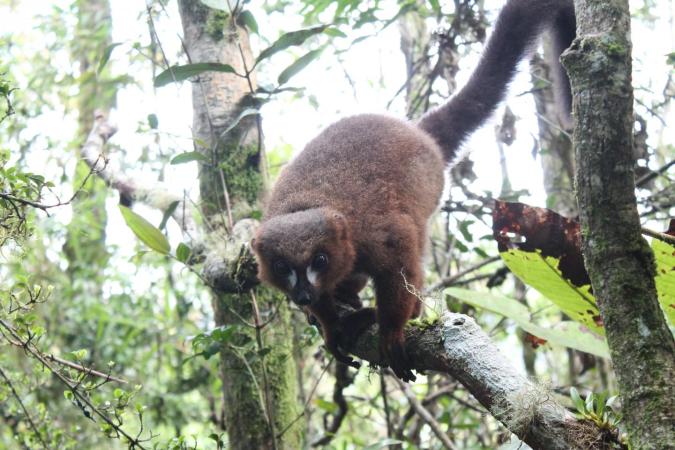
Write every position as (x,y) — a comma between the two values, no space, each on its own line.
(258,374)
(85,242)
(619,261)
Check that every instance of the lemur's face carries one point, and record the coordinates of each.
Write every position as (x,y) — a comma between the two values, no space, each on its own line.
(304,254)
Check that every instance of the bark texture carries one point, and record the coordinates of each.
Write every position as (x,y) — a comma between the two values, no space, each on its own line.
(456,345)
(258,374)
(619,261)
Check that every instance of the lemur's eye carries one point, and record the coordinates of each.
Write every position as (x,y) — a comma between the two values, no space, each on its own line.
(320,262)
(281,268)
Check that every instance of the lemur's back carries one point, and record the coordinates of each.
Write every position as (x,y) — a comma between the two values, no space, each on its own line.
(364,163)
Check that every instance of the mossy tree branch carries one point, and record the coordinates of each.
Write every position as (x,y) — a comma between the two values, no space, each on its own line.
(456,345)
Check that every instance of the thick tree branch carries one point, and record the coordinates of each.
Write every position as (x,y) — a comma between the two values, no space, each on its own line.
(455,345)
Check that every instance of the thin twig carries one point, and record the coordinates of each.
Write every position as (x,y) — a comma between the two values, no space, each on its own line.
(425,414)
(37,354)
(658,235)
(83,369)
(25,410)
(309,399)
(445,282)
(385,401)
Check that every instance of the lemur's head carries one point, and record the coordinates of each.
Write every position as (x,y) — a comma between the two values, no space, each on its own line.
(305,254)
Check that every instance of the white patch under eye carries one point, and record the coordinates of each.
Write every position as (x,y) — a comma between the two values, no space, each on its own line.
(312,276)
(292,278)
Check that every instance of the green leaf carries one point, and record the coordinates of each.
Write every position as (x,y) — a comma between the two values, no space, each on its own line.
(665,277)
(464,229)
(670,59)
(435,6)
(600,403)
(249,21)
(182,252)
(183,158)
(542,274)
(79,355)
(244,113)
(290,39)
(327,406)
(298,65)
(576,399)
(181,73)
(569,334)
(145,231)
(106,56)
(334,32)
(169,211)
(152,121)
(589,402)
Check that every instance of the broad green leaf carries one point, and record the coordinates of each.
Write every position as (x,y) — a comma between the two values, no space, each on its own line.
(542,274)
(298,65)
(568,334)
(290,39)
(576,399)
(181,73)
(589,401)
(244,113)
(106,56)
(183,158)
(249,21)
(182,252)
(665,277)
(435,6)
(334,32)
(145,231)
(169,211)
(326,405)
(152,121)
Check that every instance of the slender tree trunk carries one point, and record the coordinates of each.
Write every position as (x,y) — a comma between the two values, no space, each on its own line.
(619,261)
(556,154)
(258,373)
(555,144)
(85,241)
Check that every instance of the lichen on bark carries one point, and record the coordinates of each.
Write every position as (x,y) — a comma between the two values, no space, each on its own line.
(619,261)
(257,369)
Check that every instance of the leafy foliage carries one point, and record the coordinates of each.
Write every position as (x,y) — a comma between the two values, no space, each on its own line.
(568,334)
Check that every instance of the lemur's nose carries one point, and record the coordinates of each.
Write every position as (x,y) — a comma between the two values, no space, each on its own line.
(302,298)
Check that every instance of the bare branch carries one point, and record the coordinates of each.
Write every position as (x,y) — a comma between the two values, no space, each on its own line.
(425,415)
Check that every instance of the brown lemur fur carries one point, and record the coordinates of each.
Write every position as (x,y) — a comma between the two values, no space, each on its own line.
(356,201)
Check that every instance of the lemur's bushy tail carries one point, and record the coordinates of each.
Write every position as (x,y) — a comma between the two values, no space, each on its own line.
(518,26)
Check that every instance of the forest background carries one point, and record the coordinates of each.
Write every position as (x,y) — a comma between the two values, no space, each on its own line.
(119,332)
